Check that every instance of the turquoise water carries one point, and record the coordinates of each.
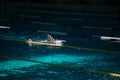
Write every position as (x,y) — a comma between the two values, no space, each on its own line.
(93,60)
(12,69)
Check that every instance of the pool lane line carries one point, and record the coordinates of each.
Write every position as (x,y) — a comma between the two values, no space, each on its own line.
(65,46)
(91,49)
(66,66)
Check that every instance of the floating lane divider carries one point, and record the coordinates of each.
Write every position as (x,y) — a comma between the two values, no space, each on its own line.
(75,47)
(91,49)
(65,46)
(66,66)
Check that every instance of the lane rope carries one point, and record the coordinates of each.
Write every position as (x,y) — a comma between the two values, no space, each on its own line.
(66,66)
(65,46)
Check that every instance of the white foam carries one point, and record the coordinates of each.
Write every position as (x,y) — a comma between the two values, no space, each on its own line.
(7,27)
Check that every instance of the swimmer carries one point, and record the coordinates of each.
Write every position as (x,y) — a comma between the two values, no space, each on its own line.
(50,41)
(53,41)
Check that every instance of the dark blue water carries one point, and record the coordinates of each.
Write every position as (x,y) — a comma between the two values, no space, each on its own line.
(80,50)
(12,69)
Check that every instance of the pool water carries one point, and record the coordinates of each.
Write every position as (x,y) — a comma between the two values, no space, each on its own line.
(80,58)
(38,62)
